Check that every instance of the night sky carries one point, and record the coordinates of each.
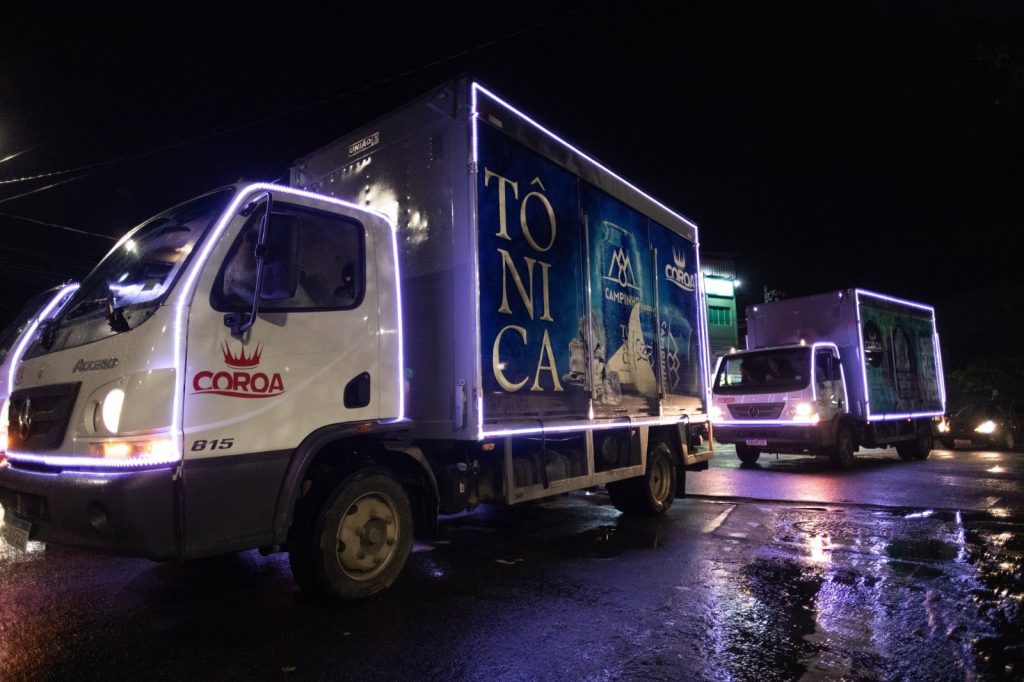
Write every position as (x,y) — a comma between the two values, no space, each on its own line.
(820,145)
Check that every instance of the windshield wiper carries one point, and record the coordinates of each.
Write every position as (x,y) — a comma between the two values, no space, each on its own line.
(48,333)
(115,318)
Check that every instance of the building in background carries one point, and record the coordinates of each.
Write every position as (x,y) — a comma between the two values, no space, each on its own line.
(720,284)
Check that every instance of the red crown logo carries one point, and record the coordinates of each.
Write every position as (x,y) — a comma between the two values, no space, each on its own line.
(241,360)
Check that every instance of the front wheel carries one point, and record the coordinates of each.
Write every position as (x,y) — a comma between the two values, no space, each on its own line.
(842,451)
(746,453)
(357,540)
(651,494)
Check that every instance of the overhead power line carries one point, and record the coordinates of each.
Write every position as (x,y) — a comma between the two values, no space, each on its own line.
(289,112)
(58,226)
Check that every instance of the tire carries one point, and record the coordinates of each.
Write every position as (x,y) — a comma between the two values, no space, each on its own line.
(917,449)
(842,451)
(925,443)
(354,537)
(746,453)
(651,494)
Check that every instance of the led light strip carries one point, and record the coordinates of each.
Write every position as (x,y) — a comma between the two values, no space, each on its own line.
(183,304)
(81,461)
(184,298)
(585,426)
(863,363)
(474,115)
(556,138)
(795,421)
(52,308)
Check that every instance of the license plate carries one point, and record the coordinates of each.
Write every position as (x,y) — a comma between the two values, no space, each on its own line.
(758,441)
(961,443)
(15,532)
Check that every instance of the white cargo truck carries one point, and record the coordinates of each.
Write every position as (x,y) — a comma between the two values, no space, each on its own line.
(829,373)
(449,307)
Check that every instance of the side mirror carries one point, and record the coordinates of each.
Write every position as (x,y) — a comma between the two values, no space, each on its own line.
(280,259)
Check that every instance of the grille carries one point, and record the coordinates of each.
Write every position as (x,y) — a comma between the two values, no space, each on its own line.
(38,417)
(756,410)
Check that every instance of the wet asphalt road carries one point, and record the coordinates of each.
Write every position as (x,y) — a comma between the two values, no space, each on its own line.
(789,570)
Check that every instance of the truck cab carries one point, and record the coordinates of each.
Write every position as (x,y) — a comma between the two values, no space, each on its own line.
(792,398)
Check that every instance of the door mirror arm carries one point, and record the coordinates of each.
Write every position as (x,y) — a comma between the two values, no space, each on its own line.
(235,321)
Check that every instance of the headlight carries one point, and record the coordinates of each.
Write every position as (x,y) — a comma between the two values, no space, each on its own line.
(716,412)
(112,404)
(803,410)
(943,426)
(986,427)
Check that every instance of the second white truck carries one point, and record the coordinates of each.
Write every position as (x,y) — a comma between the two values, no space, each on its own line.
(830,373)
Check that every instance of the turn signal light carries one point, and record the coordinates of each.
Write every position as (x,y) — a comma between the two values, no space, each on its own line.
(161,448)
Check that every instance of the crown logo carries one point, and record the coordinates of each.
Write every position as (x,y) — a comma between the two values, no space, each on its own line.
(679,258)
(241,360)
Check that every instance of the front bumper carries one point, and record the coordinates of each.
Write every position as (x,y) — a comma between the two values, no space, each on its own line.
(128,513)
(971,439)
(795,438)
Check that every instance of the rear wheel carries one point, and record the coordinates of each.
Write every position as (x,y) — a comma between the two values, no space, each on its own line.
(356,540)
(842,452)
(746,453)
(651,494)
(917,449)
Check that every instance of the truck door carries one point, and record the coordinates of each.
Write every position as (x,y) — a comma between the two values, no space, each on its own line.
(828,384)
(309,360)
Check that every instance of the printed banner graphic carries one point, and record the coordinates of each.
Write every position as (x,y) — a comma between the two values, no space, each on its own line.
(899,351)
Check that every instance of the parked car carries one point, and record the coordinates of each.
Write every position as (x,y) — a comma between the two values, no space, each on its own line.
(994,424)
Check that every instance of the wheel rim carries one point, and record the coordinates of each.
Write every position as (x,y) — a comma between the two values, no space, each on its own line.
(367,536)
(661,479)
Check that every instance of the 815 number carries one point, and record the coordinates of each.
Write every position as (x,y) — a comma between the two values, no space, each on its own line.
(215,444)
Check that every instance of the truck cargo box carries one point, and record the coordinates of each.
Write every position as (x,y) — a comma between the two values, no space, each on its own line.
(539,288)
(889,347)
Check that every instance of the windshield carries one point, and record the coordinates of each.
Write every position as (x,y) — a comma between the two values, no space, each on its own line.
(982,412)
(766,371)
(130,283)
(15,329)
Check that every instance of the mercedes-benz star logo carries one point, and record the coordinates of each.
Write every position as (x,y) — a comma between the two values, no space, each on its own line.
(25,419)
(754,412)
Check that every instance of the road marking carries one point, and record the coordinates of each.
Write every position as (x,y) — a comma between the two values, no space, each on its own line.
(714,523)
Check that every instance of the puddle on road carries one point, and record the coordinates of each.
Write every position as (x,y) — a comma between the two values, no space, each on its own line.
(875,595)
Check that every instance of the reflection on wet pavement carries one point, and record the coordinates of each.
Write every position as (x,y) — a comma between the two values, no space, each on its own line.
(848,593)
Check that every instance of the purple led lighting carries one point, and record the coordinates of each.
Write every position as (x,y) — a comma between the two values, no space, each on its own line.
(188,287)
(893,299)
(401,335)
(862,361)
(842,374)
(863,365)
(475,90)
(91,462)
(477,87)
(902,415)
(795,421)
(52,308)
(588,426)
(939,370)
